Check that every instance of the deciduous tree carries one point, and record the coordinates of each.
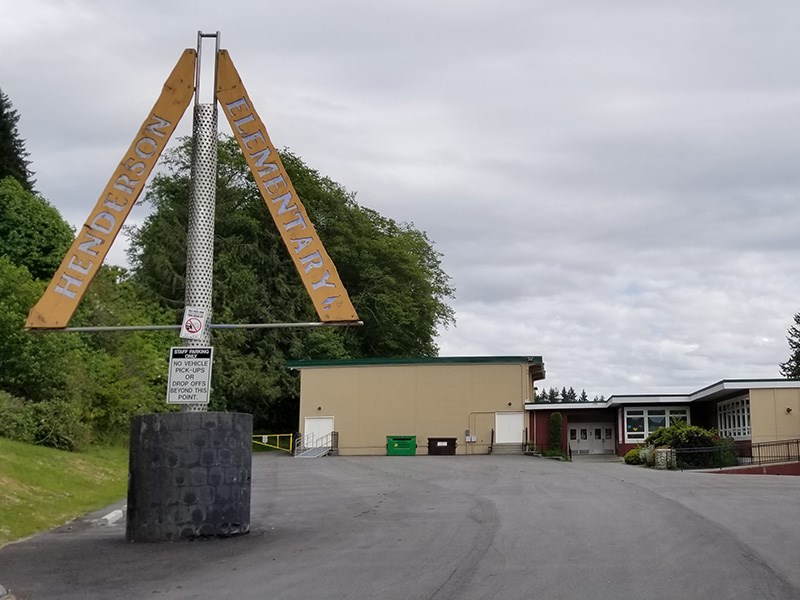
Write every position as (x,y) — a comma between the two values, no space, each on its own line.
(391,271)
(32,232)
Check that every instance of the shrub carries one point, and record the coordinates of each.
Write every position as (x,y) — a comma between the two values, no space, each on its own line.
(56,423)
(632,457)
(648,456)
(554,433)
(727,453)
(59,425)
(702,448)
(17,421)
(682,435)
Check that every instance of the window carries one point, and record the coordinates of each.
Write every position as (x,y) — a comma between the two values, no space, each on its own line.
(656,419)
(634,424)
(641,422)
(733,418)
(678,414)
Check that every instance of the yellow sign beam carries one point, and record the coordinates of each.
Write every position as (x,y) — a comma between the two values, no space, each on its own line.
(316,268)
(56,307)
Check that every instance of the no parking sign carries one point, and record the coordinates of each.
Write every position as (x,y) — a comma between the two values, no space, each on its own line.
(194,323)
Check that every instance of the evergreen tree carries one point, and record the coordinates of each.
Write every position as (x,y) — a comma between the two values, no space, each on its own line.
(552,395)
(554,441)
(583,397)
(13,157)
(791,368)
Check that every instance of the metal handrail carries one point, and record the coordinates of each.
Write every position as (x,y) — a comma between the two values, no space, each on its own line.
(309,440)
(764,453)
(743,453)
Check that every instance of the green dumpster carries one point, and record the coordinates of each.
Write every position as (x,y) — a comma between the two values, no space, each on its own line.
(401,445)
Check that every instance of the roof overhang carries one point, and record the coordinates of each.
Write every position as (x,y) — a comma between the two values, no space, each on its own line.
(564,405)
(628,400)
(534,363)
(720,390)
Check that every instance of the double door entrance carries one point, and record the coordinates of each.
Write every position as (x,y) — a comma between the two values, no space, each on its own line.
(591,438)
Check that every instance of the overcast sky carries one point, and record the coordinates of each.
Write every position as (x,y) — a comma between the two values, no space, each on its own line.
(613,185)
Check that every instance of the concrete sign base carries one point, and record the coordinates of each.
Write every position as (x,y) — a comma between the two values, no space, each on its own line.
(189,476)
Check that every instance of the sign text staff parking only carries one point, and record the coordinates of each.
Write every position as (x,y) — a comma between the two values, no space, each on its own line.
(189,375)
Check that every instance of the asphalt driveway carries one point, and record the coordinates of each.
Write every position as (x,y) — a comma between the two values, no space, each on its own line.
(436,527)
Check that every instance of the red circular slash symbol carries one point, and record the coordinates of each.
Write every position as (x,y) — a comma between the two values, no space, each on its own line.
(193,325)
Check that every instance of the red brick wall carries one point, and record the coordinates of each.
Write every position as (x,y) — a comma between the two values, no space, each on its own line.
(782,469)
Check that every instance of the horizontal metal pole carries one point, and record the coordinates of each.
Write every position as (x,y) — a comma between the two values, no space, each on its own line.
(285,325)
(212,326)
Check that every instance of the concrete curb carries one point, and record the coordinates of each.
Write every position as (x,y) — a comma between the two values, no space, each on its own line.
(109,519)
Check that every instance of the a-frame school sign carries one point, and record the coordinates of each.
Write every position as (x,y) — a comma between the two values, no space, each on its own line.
(61,299)
(195,459)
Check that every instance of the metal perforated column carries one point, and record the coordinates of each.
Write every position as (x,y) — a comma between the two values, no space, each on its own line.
(200,234)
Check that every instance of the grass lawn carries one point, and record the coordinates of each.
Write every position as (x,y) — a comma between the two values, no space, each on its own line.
(41,488)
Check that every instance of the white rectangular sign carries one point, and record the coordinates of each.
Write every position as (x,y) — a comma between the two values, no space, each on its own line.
(194,323)
(189,375)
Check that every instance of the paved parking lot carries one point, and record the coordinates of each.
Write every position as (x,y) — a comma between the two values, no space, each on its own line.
(466,527)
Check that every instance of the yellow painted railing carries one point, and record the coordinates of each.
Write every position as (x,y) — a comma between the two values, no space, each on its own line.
(277,441)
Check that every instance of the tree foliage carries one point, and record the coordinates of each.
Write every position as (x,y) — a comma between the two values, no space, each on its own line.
(65,390)
(32,232)
(791,368)
(391,271)
(682,435)
(13,157)
(565,395)
(554,428)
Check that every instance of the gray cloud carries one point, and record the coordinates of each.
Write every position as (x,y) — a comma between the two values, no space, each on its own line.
(612,185)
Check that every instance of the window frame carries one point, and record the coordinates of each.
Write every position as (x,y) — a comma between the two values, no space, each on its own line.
(733,418)
(641,412)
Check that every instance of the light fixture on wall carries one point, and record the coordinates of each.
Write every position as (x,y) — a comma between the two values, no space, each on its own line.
(319,408)
(509,403)
(788,410)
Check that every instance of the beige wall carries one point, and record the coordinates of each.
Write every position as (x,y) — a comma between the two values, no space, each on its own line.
(769,420)
(370,402)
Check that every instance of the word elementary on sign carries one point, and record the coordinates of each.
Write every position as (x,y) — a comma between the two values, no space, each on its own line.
(316,269)
(291,218)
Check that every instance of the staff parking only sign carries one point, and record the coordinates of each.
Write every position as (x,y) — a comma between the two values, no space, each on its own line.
(189,375)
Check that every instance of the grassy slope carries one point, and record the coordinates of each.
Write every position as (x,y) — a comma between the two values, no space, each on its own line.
(41,488)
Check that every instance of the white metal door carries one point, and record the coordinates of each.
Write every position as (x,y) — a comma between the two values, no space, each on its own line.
(317,431)
(508,427)
(591,438)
